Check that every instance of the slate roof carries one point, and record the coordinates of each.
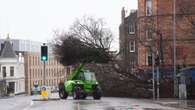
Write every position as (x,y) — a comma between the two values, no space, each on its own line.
(7,51)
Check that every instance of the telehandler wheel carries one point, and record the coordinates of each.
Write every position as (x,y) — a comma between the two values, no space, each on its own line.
(76,92)
(97,94)
(62,93)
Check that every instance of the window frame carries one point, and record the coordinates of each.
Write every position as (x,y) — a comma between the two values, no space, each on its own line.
(148,34)
(131,28)
(11,74)
(4,72)
(148,54)
(130,46)
(148,7)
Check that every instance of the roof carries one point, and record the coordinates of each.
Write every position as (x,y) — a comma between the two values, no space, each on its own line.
(7,51)
(131,17)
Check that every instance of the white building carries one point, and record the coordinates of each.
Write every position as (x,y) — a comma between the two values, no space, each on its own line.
(20,45)
(12,68)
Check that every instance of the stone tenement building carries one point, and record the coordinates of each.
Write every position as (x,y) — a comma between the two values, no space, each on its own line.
(54,73)
(11,70)
(155,32)
(128,43)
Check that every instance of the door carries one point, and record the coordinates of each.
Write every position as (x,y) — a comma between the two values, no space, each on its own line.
(11,87)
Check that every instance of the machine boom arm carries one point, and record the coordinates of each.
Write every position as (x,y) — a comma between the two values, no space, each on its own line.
(75,72)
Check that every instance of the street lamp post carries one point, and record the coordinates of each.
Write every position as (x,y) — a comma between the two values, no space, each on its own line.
(174,47)
(157,62)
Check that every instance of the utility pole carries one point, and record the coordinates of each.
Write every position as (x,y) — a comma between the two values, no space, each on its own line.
(158,76)
(157,63)
(158,82)
(174,48)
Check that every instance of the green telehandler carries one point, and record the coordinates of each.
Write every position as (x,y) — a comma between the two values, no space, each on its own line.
(80,83)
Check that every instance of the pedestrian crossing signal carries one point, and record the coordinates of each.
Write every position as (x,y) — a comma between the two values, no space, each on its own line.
(44,53)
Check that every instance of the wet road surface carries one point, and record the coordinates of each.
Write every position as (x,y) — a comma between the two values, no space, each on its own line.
(103,104)
(106,103)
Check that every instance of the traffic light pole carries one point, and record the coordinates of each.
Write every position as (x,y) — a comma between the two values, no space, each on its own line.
(44,58)
(43,72)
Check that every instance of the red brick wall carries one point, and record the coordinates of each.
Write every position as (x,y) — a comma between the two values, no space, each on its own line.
(163,21)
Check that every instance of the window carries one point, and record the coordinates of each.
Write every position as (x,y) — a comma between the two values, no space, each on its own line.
(37,59)
(131,28)
(80,77)
(132,46)
(11,71)
(4,71)
(148,7)
(149,34)
(149,57)
(33,60)
(89,76)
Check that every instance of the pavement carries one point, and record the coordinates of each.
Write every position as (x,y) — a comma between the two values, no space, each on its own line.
(176,103)
(23,102)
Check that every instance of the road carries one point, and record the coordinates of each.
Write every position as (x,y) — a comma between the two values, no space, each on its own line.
(106,103)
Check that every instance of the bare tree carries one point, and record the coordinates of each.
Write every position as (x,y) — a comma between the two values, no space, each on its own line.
(93,32)
(88,40)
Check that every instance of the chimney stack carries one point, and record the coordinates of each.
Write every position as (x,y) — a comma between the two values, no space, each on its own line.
(123,14)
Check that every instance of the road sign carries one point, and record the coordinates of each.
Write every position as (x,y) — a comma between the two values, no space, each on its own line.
(36,88)
(44,92)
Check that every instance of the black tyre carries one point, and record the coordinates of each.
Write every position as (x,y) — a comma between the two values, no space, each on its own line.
(76,93)
(97,93)
(62,93)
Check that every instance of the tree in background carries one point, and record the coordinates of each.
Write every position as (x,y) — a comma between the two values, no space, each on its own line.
(88,40)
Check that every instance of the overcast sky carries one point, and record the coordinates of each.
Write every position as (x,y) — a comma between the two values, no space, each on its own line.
(36,19)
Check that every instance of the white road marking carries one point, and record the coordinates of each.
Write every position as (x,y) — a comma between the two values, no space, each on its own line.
(31,103)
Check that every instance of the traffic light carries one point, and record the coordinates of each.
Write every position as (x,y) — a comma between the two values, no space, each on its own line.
(44,53)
